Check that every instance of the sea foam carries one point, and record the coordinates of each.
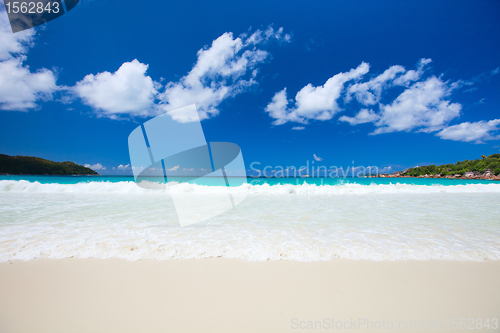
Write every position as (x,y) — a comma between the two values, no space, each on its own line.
(23,186)
(279,222)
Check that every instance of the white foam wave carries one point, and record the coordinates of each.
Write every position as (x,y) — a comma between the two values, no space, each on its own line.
(281,222)
(23,186)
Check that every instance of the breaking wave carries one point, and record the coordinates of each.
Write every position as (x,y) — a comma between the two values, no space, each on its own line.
(23,186)
(275,222)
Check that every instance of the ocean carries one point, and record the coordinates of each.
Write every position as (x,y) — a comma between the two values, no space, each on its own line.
(304,219)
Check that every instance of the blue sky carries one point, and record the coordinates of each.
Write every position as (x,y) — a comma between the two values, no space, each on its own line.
(380,83)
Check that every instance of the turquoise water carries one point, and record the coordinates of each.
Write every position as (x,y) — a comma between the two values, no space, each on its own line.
(365,181)
(211,181)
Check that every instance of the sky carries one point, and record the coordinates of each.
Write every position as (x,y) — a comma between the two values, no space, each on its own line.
(390,84)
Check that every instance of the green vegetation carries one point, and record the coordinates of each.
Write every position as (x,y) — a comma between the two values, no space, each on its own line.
(491,163)
(27,165)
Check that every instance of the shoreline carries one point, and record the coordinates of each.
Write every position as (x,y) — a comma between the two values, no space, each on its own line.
(454,177)
(231,295)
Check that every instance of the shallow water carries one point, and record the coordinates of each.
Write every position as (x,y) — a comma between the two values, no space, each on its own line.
(304,222)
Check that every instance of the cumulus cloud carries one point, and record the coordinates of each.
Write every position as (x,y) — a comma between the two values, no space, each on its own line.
(277,109)
(321,103)
(127,91)
(476,132)
(21,89)
(423,106)
(369,93)
(313,103)
(95,167)
(223,70)
(13,44)
(412,75)
(363,116)
(298,128)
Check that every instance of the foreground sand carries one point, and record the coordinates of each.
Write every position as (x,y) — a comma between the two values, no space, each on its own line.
(221,295)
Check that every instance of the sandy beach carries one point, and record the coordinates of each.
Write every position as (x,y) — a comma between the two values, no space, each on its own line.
(249,166)
(223,295)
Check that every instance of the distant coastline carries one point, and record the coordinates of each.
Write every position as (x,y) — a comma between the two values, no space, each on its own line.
(29,165)
(467,175)
(488,167)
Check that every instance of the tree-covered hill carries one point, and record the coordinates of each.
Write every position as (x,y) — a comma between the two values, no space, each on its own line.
(480,166)
(27,165)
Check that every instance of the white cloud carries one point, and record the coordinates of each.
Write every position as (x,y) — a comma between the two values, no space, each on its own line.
(298,128)
(12,44)
(95,167)
(413,75)
(119,170)
(313,103)
(277,109)
(387,169)
(127,91)
(363,116)
(175,168)
(476,132)
(20,89)
(369,93)
(263,36)
(317,158)
(225,69)
(421,107)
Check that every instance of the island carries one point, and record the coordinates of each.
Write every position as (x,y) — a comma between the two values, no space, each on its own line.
(28,165)
(487,167)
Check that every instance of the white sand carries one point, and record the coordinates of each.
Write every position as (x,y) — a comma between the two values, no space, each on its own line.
(221,295)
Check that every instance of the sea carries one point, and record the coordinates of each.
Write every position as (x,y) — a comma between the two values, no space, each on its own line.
(302,219)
